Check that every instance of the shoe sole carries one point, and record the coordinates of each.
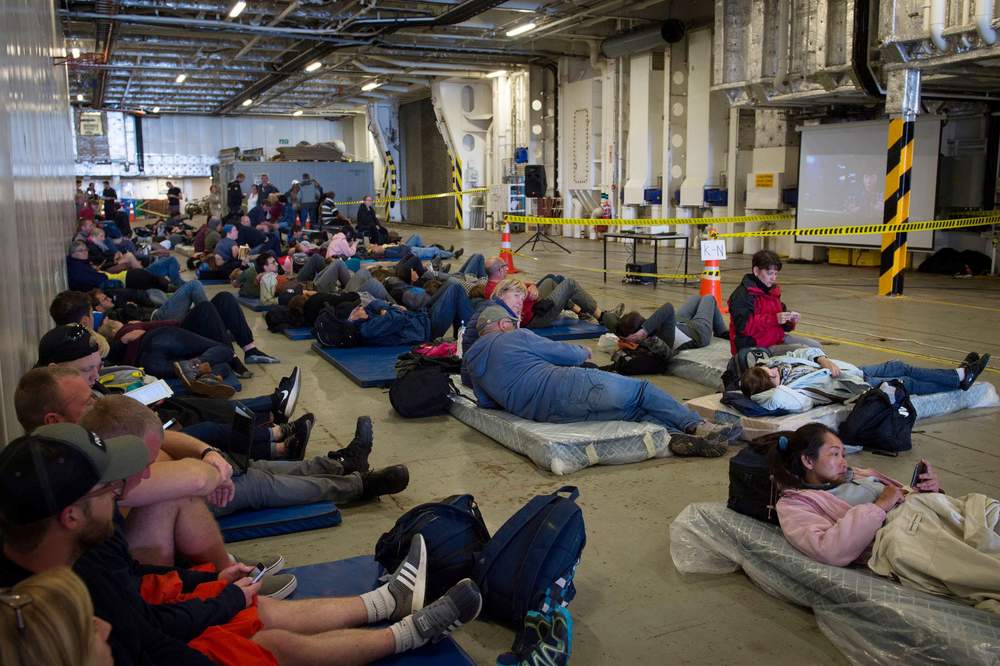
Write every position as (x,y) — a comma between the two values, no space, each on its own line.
(275,567)
(211,390)
(261,360)
(293,392)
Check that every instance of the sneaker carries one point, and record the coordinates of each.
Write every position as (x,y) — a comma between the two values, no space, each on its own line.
(409,582)
(436,264)
(300,437)
(286,395)
(354,456)
(272,563)
(689,445)
(617,310)
(974,364)
(277,587)
(720,432)
(459,605)
(240,370)
(194,377)
(385,481)
(257,356)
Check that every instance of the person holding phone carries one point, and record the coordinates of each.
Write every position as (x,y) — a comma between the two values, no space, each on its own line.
(757,317)
(842,515)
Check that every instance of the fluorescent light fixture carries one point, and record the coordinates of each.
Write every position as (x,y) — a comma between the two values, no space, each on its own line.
(181,78)
(247,102)
(521,29)
(313,66)
(497,74)
(237,9)
(156,109)
(297,112)
(79,97)
(371,85)
(75,51)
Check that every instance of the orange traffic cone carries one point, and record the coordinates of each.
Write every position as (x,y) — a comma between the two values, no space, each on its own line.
(505,251)
(711,284)
(131,212)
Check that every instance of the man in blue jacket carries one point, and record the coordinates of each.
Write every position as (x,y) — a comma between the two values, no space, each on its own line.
(380,324)
(539,379)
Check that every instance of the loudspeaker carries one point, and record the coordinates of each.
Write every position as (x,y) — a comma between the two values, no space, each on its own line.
(534,180)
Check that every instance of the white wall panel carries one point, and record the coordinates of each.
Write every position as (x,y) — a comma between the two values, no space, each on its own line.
(179,145)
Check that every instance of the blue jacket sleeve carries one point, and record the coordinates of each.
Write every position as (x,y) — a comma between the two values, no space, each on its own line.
(559,353)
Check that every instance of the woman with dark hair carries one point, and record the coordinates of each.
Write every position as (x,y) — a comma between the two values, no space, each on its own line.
(841,515)
(692,326)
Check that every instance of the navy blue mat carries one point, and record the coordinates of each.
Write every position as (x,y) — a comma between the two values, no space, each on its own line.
(299,333)
(365,366)
(571,329)
(253,304)
(211,281)
(282,520)
(357,575)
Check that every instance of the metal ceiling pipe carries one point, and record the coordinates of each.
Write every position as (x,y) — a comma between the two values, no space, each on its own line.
(275,21)
(457,14)
(642,40)
(938,11)
(432,64)
(222,26)
(223,8)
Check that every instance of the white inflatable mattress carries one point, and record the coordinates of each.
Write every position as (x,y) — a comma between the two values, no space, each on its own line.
(871,619)
(564,448)
(981,394)
(703,366)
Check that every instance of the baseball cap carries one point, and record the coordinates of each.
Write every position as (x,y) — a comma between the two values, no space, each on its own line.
(491,315)
(55,465)
(65,343)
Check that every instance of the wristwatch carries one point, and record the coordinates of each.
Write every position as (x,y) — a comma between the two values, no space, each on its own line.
(210,449)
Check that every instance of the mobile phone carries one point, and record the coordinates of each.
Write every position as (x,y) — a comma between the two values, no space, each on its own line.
(921,468)
(257,572)
(169,424)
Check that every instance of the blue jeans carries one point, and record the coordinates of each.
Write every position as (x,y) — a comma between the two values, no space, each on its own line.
(474,265)
(918,381)
(181,301)
(167,267)
(596,395)
(449,308)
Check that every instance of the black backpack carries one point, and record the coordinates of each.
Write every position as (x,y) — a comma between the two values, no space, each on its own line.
(423,384)
(278,318)
(650,357)
(334,332)
(879,422)
(738,364)
(751,491)
(454,533)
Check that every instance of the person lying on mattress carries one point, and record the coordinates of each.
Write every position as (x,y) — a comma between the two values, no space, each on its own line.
(691,326)
(59,488)
(785,382)
(529,376)
(840,515)
(757,317)
(545,300)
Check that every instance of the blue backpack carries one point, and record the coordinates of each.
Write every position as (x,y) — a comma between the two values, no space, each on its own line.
(454,532)
(534,552)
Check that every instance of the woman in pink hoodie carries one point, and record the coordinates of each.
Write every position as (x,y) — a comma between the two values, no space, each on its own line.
(828,510)
(340,247)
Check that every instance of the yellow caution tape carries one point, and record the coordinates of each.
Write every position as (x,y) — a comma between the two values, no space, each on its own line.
(872,229)
(417,197)
(646,222)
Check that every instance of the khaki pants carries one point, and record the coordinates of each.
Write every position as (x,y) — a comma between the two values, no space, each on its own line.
(945,546)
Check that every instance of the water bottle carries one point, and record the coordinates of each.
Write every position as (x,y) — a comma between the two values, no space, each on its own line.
(461,334)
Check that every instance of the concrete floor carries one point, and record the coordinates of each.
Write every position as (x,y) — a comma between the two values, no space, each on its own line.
(632,606)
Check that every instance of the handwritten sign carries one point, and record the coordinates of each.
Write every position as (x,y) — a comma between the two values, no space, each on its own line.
(713,250)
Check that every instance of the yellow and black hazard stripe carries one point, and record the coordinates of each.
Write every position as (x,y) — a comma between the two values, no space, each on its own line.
(392,182)
(456,186)
(649,222)
(871,229)
(896,207)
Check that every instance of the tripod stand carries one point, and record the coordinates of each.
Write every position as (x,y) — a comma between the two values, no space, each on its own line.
(541,237)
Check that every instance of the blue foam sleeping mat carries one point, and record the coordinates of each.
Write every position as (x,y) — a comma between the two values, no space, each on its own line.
(211,281)
(365,366)
(355,576)
(253,304)
(376,366)
(299,333)
(281,520)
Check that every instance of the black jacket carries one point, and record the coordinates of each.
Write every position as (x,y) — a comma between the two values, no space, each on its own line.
(369,226)
(234,196)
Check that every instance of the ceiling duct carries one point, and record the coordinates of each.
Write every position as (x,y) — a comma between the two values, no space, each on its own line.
(457,14)
(643,39)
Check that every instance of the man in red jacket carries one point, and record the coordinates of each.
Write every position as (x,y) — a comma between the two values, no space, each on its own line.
(757,317)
